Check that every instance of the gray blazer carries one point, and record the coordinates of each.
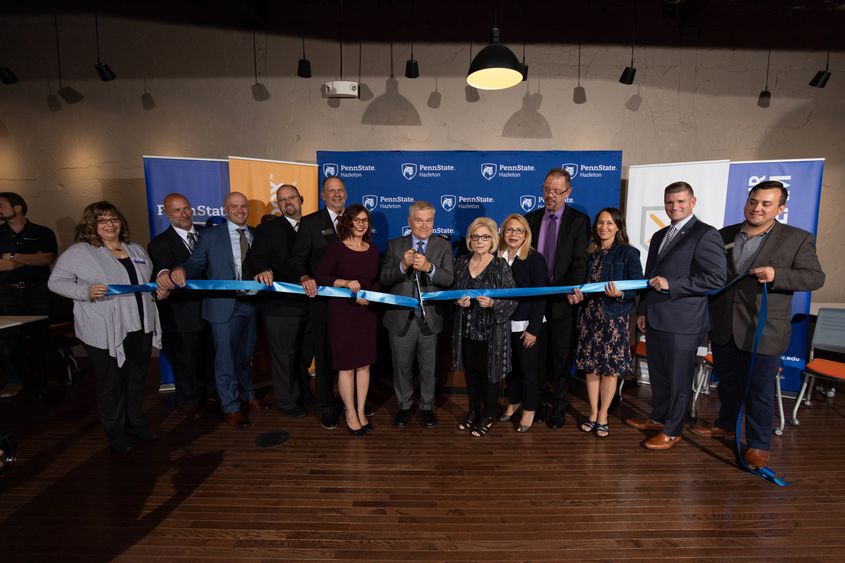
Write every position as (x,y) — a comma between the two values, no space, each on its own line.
(104,323)
(438,251)
(792,253)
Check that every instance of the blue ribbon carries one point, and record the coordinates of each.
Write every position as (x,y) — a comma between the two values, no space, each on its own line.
(763,472)
(278,287)
(508,293)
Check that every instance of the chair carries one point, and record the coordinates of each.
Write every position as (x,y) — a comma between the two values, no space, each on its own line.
(828,337)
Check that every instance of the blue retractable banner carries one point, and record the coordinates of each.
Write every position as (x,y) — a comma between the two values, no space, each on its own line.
(803,179)
(204,182)
(464,185)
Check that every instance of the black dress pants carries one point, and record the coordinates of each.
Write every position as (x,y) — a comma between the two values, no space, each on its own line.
(184,351)
(555,360)
(120,389)
(478,385)
(522,380)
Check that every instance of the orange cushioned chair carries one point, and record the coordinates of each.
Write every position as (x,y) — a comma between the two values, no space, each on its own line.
(829,336)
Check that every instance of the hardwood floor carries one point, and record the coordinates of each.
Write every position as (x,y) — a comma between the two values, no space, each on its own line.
(203,491)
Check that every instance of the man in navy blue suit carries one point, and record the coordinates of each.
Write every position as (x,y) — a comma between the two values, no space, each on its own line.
(685,261)
(220,254)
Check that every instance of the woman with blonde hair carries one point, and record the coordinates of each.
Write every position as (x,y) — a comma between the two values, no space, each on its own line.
(481,330)
(529,270)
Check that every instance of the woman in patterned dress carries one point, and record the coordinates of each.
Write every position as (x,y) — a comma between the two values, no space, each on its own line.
(604,350)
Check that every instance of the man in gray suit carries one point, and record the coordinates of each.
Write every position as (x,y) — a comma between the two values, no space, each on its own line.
(685,261)
(419,261)
(784,258)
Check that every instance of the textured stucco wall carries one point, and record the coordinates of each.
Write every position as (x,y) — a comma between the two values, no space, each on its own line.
(687,104)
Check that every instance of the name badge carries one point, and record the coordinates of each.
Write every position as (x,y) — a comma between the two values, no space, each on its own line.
(729,246)
(139,260)
(327,232)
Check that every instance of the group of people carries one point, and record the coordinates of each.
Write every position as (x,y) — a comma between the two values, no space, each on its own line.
(526,341)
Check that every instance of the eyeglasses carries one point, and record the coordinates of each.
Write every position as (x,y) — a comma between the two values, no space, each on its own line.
(107,220)
(514,231)
(561,193)
(360,220)
(476,238)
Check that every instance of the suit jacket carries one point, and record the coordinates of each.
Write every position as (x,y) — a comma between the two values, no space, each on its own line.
(316,233)
(182,311)
(792,253)
(272,249)
(438,251)
(570,255)
(694,264)
(530,272)
(213,258)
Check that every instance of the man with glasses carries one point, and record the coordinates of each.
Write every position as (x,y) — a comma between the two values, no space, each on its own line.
(561,234)
(284,315)
(419,261)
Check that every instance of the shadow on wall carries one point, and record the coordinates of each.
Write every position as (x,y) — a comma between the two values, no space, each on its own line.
(391,108)
(528,122)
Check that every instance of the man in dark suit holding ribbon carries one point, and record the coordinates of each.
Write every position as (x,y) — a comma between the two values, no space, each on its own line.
(316,231)
(785,259)
(181,314)
(419,261)
(562,234)
(686,260)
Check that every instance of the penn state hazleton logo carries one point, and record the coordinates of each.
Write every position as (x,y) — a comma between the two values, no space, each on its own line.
(572,168)
(527,202)
(330,169)
(447,202)
(489,170)
(370,202)
(409,170)
(406,230)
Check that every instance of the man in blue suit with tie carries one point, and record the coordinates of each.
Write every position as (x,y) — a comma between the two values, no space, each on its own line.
(220,254)
(685,261)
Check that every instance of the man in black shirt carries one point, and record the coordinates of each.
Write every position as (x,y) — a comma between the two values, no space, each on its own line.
(27,251)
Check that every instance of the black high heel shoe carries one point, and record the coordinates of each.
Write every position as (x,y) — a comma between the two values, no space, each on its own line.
(353,431)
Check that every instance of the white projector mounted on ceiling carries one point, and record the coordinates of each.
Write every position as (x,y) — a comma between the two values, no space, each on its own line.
(340,89)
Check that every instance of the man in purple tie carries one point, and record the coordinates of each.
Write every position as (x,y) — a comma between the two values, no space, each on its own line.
(562,234)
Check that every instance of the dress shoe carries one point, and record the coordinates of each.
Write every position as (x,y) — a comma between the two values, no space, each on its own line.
(556,420)
(755,459)
(328,420)
(662,442)
(644,424)
(369,409)
(295,412)
(711,431)
(121,447)
(192,413)
(368,428)
(10,390)
(236,419)
(402,418)
(429,419)
(258,405)
(145,435)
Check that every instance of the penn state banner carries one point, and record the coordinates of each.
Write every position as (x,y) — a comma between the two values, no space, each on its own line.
(464,185)
(803,179)
(259,179)
(205,182)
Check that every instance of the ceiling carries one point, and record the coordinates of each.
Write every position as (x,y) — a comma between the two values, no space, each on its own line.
(753,24)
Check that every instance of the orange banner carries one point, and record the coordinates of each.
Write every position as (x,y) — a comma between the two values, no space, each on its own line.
(259,179)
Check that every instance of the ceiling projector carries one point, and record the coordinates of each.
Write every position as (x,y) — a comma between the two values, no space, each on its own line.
(340,89)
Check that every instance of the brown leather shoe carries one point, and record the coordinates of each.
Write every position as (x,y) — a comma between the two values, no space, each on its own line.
(662,442)
(756,458)
(236,419)
(644,424)
(258,405)
(192,413)
(711,431)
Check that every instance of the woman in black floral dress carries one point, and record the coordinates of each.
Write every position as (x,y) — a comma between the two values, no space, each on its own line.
(604,350)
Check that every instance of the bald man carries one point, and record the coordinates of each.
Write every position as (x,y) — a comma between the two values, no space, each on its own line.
(219,255)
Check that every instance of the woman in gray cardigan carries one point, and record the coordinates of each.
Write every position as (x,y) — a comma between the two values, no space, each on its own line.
(117,330)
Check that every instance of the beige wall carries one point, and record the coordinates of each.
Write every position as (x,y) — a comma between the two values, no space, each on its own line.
(686,105)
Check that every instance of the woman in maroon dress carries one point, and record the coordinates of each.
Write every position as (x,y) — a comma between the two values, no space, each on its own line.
(352,263)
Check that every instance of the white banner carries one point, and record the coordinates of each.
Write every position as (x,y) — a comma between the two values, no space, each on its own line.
(645,215)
